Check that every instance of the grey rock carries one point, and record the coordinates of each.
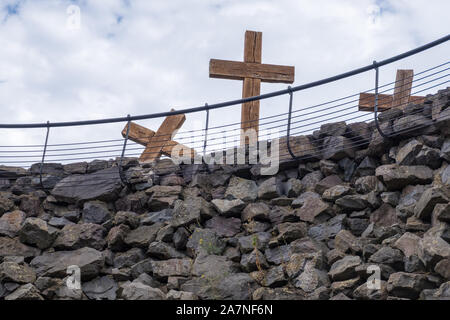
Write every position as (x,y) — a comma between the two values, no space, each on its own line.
(77,236)
(211,265)
(116,237)
(290,231)
(278,255)
(55,264)
(243,189)
(76,168)
(181,295)
(18,273)
(427,202)
(408,244)
(256,211)
(406,155)
(143,236)
(367,167)
(224,227)
(236,286)
(103,288)
(138,291)
(327,229)
(313,210)
(229,208)
(337,148)
(204,241)
(407,285)
(443,268)
(397,177)
(165,215)
(367,184)
(353,202)
(345,241)
(269,189)
(186,212)
(326,183)
(163,251)
(180,238)
(332,129)
(432,249)
(391,198)
(11,223)
(59,222)
(103,185)
(429,157)
(13,247)
(258,240)
(411,125)
(389,256)
(253,261)
(275,277)
(336,192)
(385,216)
(37,232)
(95,212)
(25,292)
(311,279)
(328,167)
(310,180)
(172,267)
(344,268)
(128,258)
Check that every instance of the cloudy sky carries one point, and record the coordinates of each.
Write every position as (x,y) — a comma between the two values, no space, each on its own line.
(145,56)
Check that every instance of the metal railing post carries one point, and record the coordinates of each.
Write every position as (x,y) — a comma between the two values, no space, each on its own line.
(122,178)
(206,130)
(289,123)
(43,155)
(376,102)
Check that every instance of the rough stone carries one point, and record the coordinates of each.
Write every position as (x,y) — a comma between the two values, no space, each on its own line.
(37,232)
(396,177)
(75,236)
(11,223)
(243,189)
(54,264)
(103,185)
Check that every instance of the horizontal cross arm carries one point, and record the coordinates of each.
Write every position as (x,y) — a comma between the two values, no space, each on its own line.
(236,70)
(138,134)
(367,101)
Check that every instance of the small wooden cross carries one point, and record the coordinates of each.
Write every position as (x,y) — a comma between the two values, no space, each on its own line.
(157,143)
(400,98)
(252,72)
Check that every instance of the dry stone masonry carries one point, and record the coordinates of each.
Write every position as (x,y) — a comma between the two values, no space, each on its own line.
(312,231)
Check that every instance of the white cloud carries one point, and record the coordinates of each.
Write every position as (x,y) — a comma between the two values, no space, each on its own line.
(143,56)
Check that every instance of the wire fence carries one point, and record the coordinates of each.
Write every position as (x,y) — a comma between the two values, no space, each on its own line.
(302,120)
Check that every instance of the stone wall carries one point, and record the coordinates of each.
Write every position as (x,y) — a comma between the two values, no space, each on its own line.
(313,231)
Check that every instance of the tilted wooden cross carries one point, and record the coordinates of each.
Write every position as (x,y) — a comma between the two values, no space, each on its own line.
(252,72)
(160,142)
(400,98)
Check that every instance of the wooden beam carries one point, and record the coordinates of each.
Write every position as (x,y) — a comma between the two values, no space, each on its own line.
(138,134)
(367,101)
(168,147)
(154,149)
(236,70)
(251,87)
(403,85)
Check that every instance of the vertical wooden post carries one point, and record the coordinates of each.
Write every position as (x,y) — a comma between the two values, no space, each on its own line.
(251,86)
(402,91)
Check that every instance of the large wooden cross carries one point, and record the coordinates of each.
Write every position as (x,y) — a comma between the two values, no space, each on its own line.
(400,98)
(157,143)
(252,72)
